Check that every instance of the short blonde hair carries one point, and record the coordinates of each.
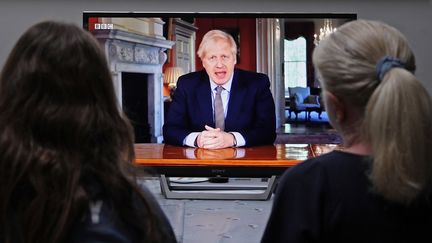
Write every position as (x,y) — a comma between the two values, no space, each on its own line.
(396,111)
(213,36)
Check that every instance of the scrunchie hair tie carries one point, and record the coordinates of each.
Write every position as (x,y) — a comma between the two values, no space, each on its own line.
(385,64)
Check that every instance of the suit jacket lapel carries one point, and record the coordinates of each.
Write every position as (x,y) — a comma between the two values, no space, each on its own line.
(204,100)
(237,96)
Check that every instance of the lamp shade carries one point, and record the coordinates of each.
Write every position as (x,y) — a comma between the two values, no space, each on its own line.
(171,75)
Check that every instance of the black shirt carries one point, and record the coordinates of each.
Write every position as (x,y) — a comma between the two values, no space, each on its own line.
(101,223)
(330,199)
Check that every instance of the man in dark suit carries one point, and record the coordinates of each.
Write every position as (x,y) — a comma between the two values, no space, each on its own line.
(248,106)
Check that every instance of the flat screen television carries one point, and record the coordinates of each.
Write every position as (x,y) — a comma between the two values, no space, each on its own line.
(142,46)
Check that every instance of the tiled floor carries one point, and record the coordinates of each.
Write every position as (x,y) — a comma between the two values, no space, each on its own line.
(213,221)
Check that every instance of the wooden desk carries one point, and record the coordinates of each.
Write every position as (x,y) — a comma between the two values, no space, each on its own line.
(260,162)
(272,159)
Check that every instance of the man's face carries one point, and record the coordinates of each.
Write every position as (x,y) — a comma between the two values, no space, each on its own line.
(219,61)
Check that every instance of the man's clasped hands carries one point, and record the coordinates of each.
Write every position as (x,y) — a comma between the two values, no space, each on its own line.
(215,138)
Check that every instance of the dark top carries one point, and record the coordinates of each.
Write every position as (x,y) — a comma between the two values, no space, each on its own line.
(251,109)
(329,199)
(101,223)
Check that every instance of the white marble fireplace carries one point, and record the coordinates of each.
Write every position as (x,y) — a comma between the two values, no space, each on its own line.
(139,51)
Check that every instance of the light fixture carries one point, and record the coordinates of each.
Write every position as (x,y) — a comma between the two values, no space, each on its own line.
(325,31)
(171,75)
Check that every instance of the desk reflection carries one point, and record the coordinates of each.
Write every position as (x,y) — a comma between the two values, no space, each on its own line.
(243,153)
(225,153)
(270,155)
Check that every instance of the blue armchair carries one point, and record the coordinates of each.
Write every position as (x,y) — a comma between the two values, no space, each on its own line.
(301,100)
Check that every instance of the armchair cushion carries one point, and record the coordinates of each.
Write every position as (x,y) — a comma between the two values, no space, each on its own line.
(301,100)
(298,98)
(303,91)
(312,99)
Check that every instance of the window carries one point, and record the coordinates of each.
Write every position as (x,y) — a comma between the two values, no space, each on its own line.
(295,63)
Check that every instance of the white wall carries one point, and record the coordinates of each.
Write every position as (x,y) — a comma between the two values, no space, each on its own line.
(413,18)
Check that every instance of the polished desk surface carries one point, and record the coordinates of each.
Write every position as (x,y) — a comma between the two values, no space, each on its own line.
(281,155)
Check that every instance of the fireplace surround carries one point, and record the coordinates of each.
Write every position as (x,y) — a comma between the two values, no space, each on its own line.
(139,53)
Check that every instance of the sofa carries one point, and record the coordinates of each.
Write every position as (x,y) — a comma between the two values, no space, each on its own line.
(301,100)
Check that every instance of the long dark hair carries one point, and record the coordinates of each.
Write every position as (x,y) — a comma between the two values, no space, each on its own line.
(61,130)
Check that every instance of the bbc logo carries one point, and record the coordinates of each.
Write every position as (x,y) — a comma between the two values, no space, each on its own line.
(103,26)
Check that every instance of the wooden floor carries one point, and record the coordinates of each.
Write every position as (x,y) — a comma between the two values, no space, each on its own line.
(305,128)
(300,130)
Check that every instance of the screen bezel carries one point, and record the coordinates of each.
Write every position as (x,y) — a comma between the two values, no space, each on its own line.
(292,15)
(207,171)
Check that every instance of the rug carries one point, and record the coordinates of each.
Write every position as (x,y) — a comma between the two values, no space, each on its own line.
(285,138)
(301,118)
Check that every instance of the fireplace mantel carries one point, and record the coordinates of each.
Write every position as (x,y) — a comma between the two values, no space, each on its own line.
(137,53)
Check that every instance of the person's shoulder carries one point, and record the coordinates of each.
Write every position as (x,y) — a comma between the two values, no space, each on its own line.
(192,78)
(164,227)
(327,165)
(317,164)
(101,223)
(193,75)
(308,166)
(252,79)
(250,74)
(334,159)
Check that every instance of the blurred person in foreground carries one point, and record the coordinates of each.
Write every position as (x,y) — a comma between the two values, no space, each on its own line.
(247,116)
(66,150)
(378,188)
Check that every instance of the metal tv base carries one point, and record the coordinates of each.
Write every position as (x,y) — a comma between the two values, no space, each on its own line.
(234,189)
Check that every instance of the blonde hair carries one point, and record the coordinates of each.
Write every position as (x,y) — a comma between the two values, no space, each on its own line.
(396,111)
(211,37)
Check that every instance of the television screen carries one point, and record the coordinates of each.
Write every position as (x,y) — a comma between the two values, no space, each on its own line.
(147,51)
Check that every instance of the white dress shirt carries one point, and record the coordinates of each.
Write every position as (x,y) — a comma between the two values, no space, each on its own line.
(225,95)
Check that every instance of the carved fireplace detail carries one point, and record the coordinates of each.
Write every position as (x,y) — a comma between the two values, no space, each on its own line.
(133,52)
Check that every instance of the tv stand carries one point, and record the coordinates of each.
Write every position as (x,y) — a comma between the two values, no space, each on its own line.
(218,179)
(234,189)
